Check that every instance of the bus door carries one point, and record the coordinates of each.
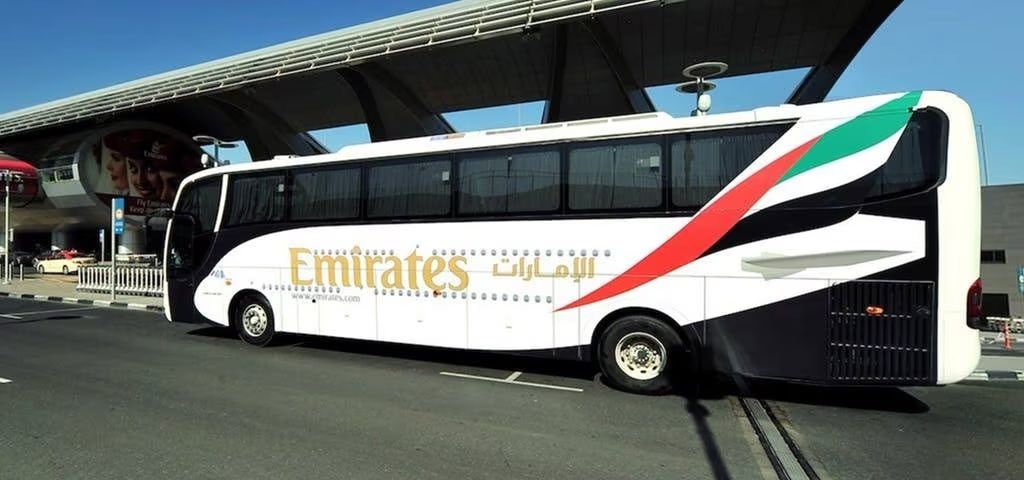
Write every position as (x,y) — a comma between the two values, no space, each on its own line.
(180,269)
(190,237)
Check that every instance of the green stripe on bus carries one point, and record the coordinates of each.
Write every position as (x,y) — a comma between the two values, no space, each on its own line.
(863,131)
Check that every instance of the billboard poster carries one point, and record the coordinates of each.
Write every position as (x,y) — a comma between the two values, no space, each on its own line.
(143,166)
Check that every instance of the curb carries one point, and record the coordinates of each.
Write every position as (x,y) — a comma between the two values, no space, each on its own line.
(84,301)
(1015,338)
(996,376)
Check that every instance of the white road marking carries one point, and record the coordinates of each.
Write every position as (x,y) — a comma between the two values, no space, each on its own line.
(513,381)
(52,311)
(5,380)
(12,317)
(514,376)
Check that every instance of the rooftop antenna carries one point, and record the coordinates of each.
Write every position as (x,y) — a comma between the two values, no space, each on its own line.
(700,85)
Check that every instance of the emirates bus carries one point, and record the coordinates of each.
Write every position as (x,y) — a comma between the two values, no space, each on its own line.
(834,243)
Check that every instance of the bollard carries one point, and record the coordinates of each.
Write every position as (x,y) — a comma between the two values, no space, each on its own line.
(1007,341)
(21,272)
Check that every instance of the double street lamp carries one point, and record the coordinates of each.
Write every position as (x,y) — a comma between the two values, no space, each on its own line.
(204,140)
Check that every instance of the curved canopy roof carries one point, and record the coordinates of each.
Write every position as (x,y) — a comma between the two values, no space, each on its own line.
(477,53)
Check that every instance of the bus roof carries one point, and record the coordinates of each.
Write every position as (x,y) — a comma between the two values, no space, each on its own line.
(625,125)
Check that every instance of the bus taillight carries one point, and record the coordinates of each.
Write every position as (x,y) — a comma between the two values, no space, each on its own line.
(975,314)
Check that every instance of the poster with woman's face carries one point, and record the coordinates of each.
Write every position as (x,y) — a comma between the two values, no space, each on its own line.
(143,166)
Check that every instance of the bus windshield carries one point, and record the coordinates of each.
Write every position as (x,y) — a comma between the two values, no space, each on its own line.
(193,223)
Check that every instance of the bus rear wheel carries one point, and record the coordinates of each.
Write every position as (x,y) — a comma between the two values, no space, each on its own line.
(254,320)
(641,354)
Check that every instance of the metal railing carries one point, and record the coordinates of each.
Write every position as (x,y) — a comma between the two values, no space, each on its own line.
(997,324)
(130,280)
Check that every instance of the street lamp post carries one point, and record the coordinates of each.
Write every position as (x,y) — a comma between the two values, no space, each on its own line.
(7,226)
(217,143)
(984,155)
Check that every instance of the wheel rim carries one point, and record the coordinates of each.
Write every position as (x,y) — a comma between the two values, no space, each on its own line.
(640,355)
(254,320)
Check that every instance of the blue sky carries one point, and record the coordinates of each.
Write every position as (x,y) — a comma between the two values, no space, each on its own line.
(58,48)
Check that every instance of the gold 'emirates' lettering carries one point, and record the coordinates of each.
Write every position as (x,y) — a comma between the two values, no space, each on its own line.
(357,270)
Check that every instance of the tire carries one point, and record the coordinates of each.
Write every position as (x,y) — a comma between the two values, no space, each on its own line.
(64,269)
(40,270)
(641,354)
(253,320)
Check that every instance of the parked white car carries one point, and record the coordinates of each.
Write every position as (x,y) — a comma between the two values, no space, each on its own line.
(67,266)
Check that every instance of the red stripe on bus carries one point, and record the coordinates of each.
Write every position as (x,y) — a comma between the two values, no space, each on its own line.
(701,232)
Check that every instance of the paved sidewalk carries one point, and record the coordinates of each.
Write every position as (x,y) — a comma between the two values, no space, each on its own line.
(991,362)
(62,288)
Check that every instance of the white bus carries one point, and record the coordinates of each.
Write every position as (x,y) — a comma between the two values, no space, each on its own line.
(834,243)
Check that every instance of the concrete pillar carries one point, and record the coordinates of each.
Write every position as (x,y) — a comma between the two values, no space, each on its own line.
(133,240)
(58,238)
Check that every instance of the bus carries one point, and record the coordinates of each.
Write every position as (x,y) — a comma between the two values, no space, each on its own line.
(833,243)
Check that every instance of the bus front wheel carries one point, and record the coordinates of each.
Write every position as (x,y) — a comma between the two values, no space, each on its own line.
(254,320)
(640,354)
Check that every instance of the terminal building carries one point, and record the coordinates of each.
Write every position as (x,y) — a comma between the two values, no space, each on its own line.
(398,76)
(1002,250)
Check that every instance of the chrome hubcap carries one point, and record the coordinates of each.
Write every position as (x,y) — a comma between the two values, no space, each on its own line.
(640,355)
(254,320)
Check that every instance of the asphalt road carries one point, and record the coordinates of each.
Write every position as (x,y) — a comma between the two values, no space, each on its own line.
(101,393)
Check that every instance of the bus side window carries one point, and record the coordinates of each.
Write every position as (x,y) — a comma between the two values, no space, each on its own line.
(916,162)
(325,193)
(703,163)
(417,188)
(615,176)
(509,181)
(256,198)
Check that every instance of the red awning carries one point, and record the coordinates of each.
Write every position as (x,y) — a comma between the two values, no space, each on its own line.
(8,162)
(25,183)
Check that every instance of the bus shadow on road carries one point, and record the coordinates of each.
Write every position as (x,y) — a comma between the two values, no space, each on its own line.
(215,332)
(463,358)
(880,398)
(709,387)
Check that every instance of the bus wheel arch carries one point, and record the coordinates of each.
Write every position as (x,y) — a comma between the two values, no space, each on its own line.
(648,332)
(252,317)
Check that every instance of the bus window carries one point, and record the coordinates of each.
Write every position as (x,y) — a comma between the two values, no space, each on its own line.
(179,253)
(192,230)
(615,176)
(703,163)
(257,198)
(201,200)
(916,162)
(325,193)
(420,188)
(511,181)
